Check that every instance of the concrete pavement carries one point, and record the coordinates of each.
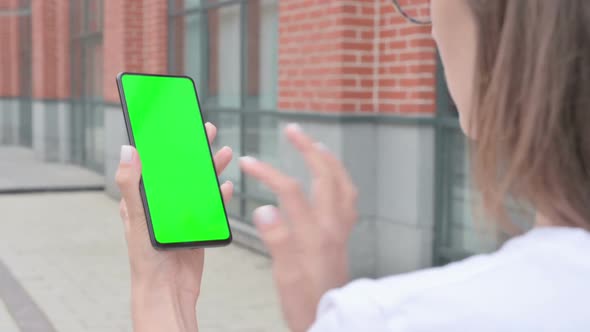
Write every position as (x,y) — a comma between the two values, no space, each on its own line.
(21,171)
(68,254)
(7,324)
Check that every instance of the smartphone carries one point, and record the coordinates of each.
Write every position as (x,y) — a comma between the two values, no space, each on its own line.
(179,186)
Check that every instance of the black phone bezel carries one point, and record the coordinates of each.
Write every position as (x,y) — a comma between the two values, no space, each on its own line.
(154,241)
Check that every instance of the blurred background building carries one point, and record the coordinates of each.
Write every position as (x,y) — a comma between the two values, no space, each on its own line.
(353,73)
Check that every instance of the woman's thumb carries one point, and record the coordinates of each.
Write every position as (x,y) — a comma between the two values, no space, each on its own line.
(127,178)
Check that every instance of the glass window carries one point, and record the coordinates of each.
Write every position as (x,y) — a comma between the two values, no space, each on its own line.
(261,132)
(77,17)
(260,136)
(178,6)
(467,234)
(94,18)
(230,49)
(224,66)
(263,34)
(192,47)
(86,16)
(228,134)
(87,117)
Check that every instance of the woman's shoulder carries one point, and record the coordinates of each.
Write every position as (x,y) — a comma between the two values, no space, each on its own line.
(529,268)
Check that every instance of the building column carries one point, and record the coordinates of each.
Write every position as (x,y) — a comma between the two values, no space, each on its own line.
(405,86)
(63,84)
(9,75)
(50,41)
(155,36)
(44,79)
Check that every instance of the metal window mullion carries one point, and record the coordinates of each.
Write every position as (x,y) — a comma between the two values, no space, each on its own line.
(441,209)
(439,222)
(25,106)
(83,95)
(72,82)
(172,42)
(101,11)
(442,212)
(85,16)
(243,87)
(83,119)
(445,213)
(204,70)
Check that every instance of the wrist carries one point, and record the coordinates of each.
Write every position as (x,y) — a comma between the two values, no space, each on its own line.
(162,309)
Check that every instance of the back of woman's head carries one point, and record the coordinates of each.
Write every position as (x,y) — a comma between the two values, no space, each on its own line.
(530,114)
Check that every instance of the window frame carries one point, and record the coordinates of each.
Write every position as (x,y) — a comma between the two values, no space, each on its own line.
(244,197)
(88,104)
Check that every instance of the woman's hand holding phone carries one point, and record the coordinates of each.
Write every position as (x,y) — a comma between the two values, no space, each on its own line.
(165,284)
(306,237)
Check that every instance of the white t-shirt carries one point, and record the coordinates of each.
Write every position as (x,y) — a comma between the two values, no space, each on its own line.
(539,281)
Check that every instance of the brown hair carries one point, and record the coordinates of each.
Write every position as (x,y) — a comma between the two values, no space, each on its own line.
(531,113)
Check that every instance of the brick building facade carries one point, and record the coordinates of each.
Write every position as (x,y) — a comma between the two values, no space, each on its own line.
(354,56)
(354,73)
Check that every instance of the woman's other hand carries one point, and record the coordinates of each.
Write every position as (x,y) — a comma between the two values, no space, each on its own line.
(306,237)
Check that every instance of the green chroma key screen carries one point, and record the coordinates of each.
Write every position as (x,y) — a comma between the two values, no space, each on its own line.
(182,192)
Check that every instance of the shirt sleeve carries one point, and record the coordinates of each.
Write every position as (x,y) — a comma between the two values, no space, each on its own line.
(349,309)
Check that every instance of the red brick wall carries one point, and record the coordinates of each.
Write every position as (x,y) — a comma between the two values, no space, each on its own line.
(135,39)
(9,57)
(50,49)
(319,50)
(155,36)
(253,17)
(407,63)
(334,55)
(353,56)
(62,11)
(178,31)
(213,56)
(44,49)
(12,53)
(122,40)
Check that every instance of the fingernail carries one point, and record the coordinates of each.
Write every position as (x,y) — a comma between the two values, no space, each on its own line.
(295,127)
(265,215)
(247,160)
(126,154)
(228,182)
(320,146)
(226,148)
